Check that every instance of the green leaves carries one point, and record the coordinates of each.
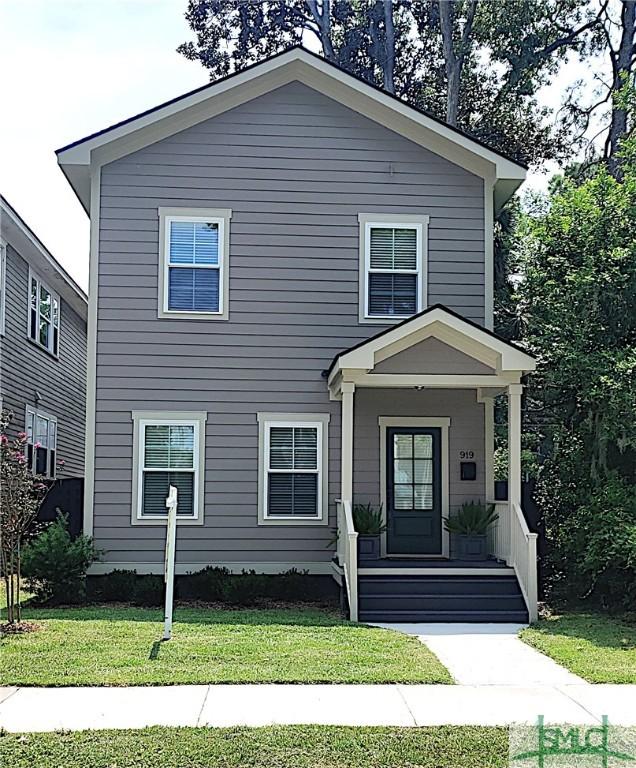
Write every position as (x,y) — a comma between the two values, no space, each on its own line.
(473,519)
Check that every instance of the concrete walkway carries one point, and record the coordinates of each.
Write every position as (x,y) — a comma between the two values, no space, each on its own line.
(51,709)
(488,654)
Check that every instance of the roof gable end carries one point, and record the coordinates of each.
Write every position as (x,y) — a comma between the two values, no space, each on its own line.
(299,64)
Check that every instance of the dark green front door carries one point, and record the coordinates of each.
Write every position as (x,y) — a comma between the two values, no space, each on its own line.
(413,493)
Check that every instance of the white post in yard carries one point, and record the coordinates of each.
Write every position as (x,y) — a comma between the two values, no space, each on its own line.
(171,541)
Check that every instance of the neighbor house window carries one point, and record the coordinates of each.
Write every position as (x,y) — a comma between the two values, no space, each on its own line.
(41,431)
(194,264)
(168,451)
(293,468)
(44,315)
(393,268)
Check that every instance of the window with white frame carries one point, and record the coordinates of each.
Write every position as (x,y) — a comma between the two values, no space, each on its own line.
(44,315)
(393,268)
(293,466)
(41,432)
(194,264)
(169,451)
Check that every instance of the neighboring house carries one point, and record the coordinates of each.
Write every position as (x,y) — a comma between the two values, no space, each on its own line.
(42,350)
(276,256)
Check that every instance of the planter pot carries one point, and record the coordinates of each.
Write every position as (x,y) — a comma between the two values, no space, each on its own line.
(473,547)
(501,490)
(368,546)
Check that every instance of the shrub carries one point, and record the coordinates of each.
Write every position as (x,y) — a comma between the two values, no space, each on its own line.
(116,586)
(367,519)
(208,584)
(55,565)
(149,590)
(245,588)
(473,519)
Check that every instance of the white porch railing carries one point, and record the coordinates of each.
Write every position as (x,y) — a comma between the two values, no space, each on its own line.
(348,554)
(523,558)
(499,533)
(510,540)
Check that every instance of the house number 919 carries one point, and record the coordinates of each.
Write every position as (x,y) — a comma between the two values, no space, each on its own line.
(467,454)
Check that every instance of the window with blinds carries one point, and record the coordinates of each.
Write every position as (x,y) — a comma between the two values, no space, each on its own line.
(293,469)
(44,315)
(194,265)
(168,458)
(41,431)
(393,270)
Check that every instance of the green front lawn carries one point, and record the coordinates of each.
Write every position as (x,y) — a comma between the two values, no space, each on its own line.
(597,648)
(279,747)
(107,645)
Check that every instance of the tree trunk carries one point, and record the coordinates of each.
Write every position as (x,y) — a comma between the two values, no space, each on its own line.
(454,59)
(389,47)
(622,66)
(321,12)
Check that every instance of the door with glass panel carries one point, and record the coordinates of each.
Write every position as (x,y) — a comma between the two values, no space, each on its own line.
(413,493)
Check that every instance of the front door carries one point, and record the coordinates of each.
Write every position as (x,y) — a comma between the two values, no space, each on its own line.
(413,493)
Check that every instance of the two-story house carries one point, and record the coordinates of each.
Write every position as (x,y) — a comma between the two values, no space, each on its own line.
(291,308)
(42,350)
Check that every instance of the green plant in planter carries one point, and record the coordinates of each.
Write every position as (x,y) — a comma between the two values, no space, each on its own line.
(473,519)
(368,520)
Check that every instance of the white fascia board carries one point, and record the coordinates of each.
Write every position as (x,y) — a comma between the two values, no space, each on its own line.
(364,357)
(314,72)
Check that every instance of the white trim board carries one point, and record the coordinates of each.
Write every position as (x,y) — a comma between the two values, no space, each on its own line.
(443,423)
(182,569)
(315,72)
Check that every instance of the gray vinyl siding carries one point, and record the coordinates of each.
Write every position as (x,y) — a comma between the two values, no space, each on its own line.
(26,368)
(466,433)
(296,168)
(432,356)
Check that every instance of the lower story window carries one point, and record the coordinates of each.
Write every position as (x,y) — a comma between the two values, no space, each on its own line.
(41,431)
(169,451)
(293,468)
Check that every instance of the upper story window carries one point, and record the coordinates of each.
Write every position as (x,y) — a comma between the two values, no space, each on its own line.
(194,277)
(44,315)
(169,450)
(41,430)
(392,266)
(293,463)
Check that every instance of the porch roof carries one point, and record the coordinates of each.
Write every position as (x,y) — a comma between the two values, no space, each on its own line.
(506,361)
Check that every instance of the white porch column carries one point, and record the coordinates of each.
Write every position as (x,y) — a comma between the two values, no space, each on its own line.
(514,443)
(346,458)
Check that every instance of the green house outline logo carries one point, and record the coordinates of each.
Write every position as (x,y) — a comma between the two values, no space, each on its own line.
(553,741)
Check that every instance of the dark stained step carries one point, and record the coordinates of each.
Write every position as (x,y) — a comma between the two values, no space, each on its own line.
(432,598)
(492,616)
(426,585)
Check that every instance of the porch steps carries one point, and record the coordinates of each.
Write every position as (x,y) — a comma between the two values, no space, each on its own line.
(431,598)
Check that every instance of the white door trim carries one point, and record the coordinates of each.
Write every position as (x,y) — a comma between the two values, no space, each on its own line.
(441,422)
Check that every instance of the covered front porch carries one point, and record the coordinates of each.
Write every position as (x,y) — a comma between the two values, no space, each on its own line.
(417,441)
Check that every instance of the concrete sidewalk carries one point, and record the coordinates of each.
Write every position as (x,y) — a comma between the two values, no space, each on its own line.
(50,709)
(488,654)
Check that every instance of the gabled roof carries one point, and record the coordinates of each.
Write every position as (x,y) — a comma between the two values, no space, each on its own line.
(302,65)
(15,231)
(443,323)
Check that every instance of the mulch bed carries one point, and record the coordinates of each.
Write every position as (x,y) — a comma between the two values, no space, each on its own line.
(19,628)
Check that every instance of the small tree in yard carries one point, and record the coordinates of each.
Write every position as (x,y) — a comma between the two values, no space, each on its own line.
(21,494)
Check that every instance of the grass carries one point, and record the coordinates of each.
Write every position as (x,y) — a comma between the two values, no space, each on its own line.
(598,648)
(273,747)
(109,645)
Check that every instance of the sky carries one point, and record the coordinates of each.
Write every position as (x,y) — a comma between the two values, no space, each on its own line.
(72,67)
